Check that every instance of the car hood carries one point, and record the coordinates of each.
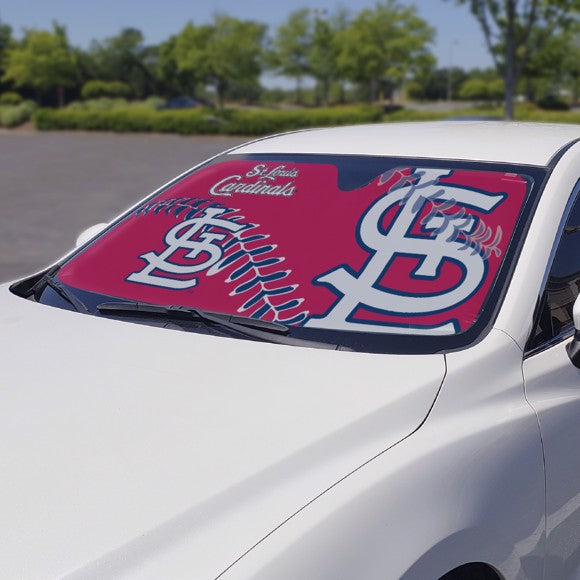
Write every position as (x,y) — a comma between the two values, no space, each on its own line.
(133,452)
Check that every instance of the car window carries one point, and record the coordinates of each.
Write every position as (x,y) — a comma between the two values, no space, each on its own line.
(323,244)
(554,318)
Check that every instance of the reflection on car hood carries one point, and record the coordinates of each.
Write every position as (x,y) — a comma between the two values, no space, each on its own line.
(130,451)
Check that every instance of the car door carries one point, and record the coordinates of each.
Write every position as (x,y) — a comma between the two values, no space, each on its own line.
(553,388)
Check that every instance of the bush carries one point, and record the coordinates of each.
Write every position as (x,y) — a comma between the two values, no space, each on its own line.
(109,104)
(10,98)
(473,90)
(404,115)
(14,115)
(549,116)
(153,101)
(482,90)
(199,121)
(100,104)
(111,89)
(553,103)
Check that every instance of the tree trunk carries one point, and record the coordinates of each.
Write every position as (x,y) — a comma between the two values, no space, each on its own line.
(510,61)
(373,90)
(342,93)
(60,93)
(510,88)
(298,96)
(325,92)
(575,90)
(221,93)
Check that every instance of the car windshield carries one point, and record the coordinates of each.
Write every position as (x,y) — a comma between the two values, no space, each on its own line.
(376,253)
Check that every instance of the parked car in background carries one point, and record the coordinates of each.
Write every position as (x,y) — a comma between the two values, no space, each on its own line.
(336,354)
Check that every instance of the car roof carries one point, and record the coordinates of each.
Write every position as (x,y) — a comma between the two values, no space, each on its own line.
(501,141)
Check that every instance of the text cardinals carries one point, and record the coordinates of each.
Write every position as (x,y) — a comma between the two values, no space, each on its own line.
(266,183)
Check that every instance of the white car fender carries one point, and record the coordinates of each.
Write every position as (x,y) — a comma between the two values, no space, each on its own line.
(467,486)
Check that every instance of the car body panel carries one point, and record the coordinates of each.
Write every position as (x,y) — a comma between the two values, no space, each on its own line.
(138,452)
(124,441)
(470,141)
(553,388)
(444,496)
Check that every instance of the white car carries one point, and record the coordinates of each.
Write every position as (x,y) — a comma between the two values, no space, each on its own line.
(337,354)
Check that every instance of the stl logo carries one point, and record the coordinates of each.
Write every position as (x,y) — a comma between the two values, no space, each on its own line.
(449,238)
(195,235)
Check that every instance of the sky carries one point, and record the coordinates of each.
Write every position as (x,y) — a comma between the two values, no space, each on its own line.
(459,41)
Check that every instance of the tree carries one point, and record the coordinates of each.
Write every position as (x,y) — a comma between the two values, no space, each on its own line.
(6,41)
(172,79)
(324,50)
(227,51)
(185,54)
(383,44)
(515,29)
(291,47)
(126,58)
(478,89)
(433,84)
(571,64)
(555,66)
(234,53)
(543,73)
(43,60)
(96,89)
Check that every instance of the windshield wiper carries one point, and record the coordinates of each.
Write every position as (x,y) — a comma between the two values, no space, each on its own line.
(253,327)
(127,308)
(49,279)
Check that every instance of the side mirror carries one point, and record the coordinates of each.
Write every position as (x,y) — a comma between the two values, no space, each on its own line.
(89,233)
(574,347)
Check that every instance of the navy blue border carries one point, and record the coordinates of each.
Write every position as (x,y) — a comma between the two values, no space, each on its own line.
(363,170)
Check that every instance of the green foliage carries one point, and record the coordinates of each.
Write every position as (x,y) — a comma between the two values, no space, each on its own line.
(6,42)
(101,104)
(152,102)
(415,90)
(113,89)
(516,31)
(10,98)
(291,47)
(248,92)
(176,80)
(308,44)
(226,51)
(383,43)
(109,104)
(553,103)
(273,96)
(198,121)
(124,57)
(433,84)
(14,115)
(188,52)
(324,50)
(538,115)
(233,52)
(523,112)
(478,89)
(264,122)
(43,60)
(404,115)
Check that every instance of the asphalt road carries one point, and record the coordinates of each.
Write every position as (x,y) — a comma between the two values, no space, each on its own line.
(54,185)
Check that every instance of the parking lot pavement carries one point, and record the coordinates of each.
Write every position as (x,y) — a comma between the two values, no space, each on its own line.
(54,185)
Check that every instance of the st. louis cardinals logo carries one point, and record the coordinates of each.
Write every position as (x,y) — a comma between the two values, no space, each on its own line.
(201,237)
(446,238)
